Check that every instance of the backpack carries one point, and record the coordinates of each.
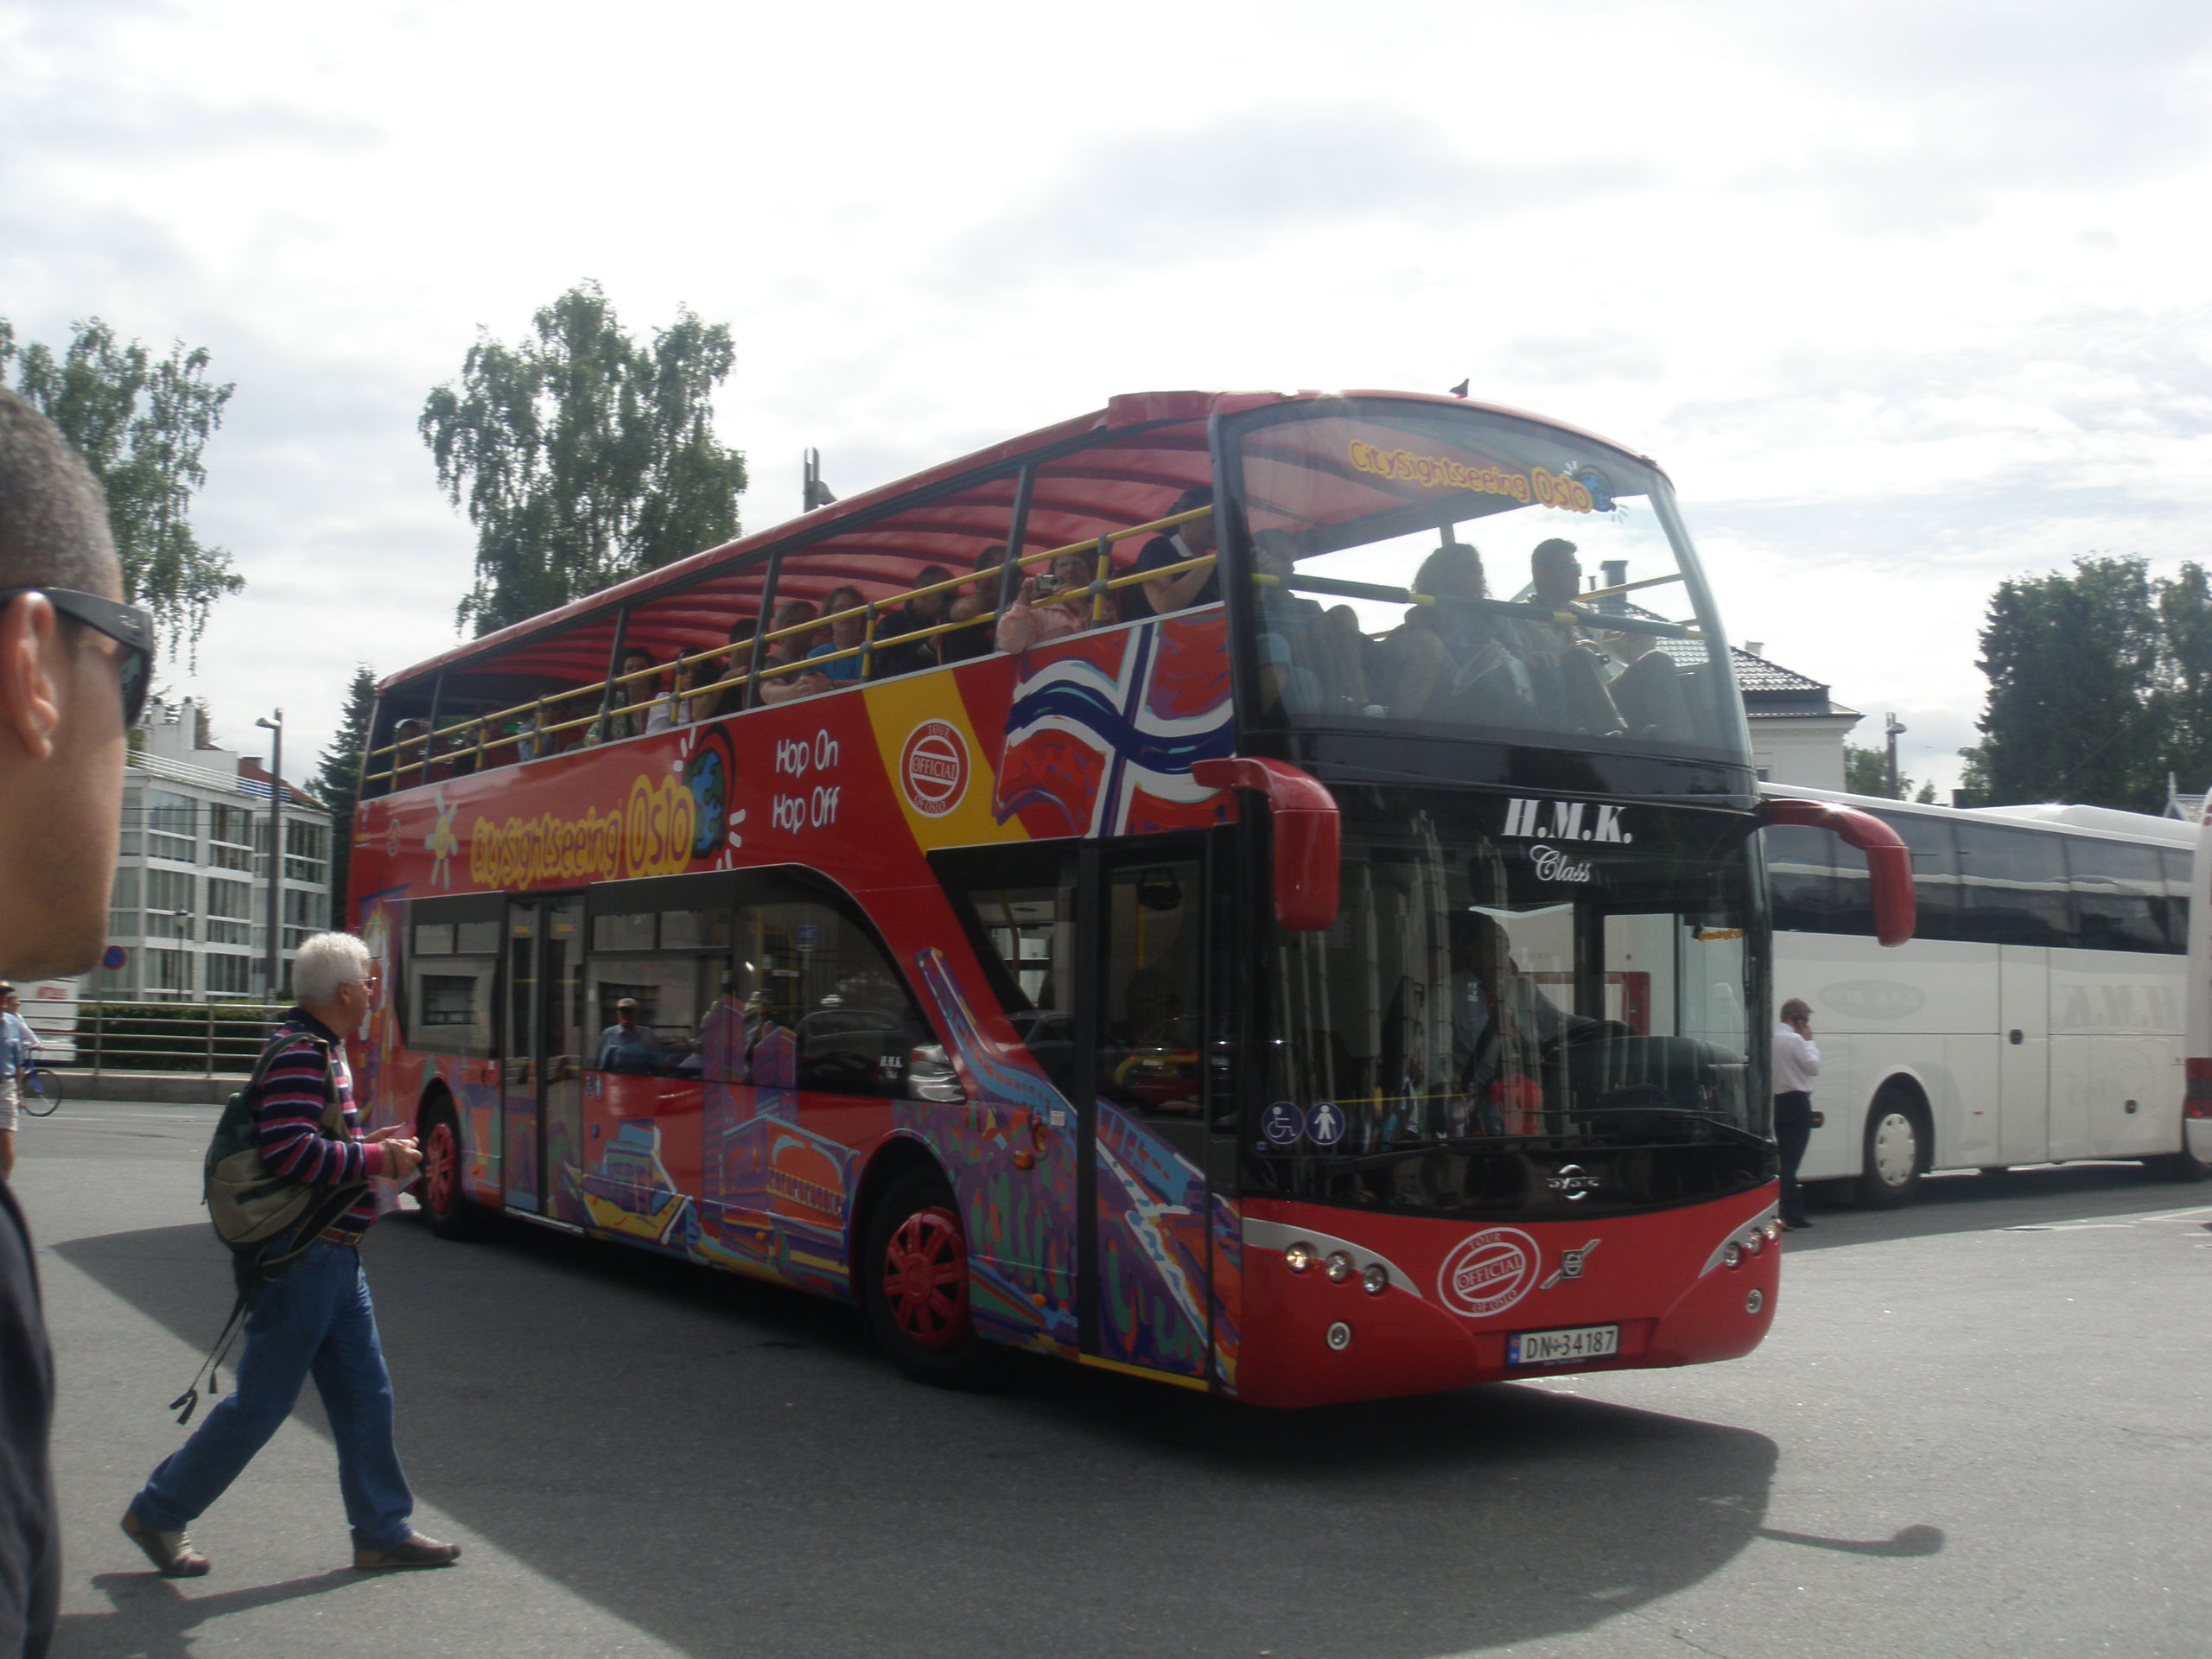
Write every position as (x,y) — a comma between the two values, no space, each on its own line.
(249,1205)
(267,1220)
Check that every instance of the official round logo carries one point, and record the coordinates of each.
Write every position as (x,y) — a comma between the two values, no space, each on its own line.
(933,768)
(1489,1272)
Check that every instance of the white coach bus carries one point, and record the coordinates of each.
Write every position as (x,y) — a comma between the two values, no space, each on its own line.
(2040,1013)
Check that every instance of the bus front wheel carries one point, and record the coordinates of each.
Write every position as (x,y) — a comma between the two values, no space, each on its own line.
(439,1191)
(915,1278)
(1896,1152)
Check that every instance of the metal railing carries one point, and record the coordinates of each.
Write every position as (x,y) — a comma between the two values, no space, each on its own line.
(472,738)
(205,1039)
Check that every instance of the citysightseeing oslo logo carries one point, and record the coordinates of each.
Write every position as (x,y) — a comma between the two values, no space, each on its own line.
(654,835)
(933,768)
(1442,472)
(1489,1272)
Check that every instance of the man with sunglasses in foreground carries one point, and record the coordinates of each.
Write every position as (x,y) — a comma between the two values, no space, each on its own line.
(73,661)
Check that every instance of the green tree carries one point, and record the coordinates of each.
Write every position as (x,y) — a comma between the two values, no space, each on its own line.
(141,422)
(2076,663)
(338,783)
(581,457)
(2181,709)
(1867,771)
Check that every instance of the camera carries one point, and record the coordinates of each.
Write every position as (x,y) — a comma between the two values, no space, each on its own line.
(1048,583)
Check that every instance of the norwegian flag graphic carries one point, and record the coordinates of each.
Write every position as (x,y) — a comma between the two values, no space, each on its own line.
(1103,730)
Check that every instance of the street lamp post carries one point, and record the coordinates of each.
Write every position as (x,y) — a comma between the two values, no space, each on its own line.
(275,990)
(1892,729)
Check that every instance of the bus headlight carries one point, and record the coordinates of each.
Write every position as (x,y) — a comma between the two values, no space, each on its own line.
(1298,1257)
(1733,1255)
(1339,1268)
(1375,1279)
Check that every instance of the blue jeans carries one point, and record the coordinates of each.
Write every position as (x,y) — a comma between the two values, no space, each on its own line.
(317,1318)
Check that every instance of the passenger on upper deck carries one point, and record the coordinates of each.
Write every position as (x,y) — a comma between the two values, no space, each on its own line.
(923,611)
(1027,622)
(736,661)
(1312,660)
(1187,588)
(1566,670)
(782,653)
(632,698)
(845,635)
(1445,662)
(974,603)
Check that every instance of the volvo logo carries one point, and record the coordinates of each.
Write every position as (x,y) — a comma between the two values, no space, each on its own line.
(1574,1183)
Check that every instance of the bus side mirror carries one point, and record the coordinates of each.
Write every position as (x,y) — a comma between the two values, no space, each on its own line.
(1308,835)
(1889,865)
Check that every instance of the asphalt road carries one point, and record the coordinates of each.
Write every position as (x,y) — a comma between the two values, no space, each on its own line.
(1980,1427)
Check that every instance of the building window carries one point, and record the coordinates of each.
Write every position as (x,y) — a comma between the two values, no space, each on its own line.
(230,837)
(229,976)
(172,826)
(306,850)
(230,914)
(169,906)
(304,915)
(123,905)
(169,973)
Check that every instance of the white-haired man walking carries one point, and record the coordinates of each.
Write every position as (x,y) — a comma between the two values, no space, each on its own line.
(316,1317)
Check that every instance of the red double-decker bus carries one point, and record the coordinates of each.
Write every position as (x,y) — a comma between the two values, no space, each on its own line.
(1320,956)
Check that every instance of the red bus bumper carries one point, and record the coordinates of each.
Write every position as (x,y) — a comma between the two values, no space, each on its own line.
(1683,1286)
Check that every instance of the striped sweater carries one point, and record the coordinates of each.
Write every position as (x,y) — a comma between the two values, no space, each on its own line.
(288,1119)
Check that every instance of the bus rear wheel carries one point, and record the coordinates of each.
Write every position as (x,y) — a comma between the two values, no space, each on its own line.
(1896,1152)
(444,1197)
(914,1276)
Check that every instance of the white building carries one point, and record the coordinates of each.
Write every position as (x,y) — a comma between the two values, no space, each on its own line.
(1797,730)
(191,898)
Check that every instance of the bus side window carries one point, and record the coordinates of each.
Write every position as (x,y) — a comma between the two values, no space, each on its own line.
(2119,892)
(671,960)
(2177,873)
(1802,874)
(1934,873)
(1019,907)
(852,1023)
(451,961)
(2015,885)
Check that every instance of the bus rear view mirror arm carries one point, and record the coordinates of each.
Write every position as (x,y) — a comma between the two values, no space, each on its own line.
(1309,835)
(1889,865)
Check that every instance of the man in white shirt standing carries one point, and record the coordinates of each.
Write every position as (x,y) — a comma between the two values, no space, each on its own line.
(1796,1063)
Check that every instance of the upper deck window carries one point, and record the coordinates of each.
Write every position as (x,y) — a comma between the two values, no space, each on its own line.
(1422,567)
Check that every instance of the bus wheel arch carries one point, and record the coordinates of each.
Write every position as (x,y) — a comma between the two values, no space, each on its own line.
(441,1191)
(1899,1145)
(913,1237)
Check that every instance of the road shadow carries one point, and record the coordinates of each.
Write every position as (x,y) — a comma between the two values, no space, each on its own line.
(731,1468)
(1966,1202)
(151,1618)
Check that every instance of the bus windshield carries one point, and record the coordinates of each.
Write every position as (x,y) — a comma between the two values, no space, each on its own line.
(1416,565)
(1516,976)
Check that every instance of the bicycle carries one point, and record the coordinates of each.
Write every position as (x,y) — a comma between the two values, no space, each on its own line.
(41,1092)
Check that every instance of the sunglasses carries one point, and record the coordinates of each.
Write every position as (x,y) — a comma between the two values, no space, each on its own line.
(128,626)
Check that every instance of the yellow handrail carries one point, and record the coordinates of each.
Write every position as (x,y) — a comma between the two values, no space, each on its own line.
(615,685)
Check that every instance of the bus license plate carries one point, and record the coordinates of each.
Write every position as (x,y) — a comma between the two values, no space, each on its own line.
(1563,1347)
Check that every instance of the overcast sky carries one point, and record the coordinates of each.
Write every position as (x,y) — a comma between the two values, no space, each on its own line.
(1907,298)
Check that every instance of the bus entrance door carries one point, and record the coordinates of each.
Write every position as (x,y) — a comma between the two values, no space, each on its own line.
(1146,1275)
(540,1048)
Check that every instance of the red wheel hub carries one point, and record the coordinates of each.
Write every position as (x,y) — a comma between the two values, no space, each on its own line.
(925,1279)
(440,1169)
